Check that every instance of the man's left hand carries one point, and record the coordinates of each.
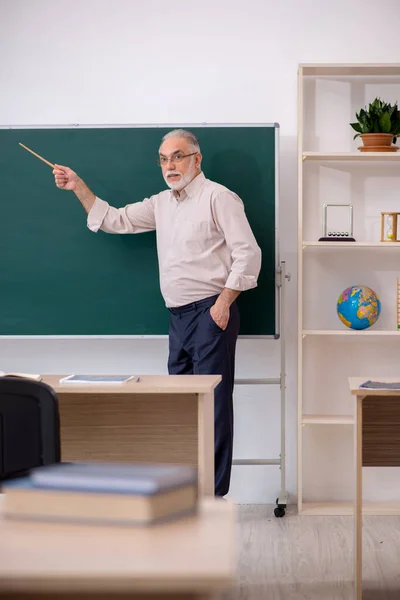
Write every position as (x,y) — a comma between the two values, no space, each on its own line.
(220,313)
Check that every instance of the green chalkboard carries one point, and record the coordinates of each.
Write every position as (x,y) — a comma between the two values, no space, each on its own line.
(59,278)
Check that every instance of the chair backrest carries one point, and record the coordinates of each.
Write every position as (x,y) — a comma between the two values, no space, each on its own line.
(29,426)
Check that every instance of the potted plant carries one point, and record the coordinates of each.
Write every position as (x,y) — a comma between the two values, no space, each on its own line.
(378,126)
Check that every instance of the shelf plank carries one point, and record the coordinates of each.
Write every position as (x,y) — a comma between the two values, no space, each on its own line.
(327,420)
(346,508)
(307,244)
(351,70)
(352,332)
(353,156)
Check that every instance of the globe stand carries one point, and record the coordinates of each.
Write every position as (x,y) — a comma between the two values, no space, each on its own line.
(337,236)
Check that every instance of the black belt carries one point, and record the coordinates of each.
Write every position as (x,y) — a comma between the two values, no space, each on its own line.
(199,304)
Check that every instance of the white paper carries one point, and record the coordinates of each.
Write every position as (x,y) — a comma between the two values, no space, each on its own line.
(96,379)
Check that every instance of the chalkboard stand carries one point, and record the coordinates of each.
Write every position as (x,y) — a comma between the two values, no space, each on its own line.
(282,277)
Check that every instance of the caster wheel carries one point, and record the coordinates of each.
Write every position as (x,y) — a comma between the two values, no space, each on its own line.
(279,511)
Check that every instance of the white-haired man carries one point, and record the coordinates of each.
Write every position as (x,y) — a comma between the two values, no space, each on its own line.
(207,256)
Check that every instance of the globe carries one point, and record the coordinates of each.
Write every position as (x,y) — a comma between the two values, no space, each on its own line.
(358,307)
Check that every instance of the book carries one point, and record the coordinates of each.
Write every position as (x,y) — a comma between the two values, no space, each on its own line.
(96,379)
(133,478)
(380,385)
(33,376)
(152,493)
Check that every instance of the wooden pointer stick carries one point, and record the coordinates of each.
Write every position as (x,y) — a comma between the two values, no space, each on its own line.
(37,155)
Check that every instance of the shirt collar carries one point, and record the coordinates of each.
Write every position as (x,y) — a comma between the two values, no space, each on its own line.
(191,189)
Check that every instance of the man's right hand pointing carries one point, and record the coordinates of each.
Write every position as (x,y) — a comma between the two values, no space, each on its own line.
(65,178)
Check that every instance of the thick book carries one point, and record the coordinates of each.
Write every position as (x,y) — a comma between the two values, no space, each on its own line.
(110,496)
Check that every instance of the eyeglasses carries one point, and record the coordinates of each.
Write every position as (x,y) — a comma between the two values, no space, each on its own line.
(176,158)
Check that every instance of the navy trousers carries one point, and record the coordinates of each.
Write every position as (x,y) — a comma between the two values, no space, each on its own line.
(197,345)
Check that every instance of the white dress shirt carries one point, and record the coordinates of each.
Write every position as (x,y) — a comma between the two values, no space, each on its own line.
(204,240)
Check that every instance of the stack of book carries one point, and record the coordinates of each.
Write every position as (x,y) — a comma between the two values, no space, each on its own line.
(103,493)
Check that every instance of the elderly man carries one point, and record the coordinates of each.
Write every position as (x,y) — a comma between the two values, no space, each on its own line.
(207,256)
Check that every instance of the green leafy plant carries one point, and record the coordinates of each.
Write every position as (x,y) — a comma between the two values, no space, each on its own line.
(379,117)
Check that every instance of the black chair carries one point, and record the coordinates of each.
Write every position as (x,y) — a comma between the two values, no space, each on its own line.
(29,426)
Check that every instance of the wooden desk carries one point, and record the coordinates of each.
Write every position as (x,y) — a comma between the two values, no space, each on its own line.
(161,418)
(376,444)
(190,558)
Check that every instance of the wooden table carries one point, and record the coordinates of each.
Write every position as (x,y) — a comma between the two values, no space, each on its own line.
(376,444)
(189,558)
(160,418)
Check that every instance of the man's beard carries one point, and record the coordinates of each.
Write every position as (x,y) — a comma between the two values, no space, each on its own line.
(184,180)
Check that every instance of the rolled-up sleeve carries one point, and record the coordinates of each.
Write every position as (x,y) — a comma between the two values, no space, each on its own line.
(133,218)
(231,220)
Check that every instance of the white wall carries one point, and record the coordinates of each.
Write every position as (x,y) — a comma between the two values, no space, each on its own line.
(152,61)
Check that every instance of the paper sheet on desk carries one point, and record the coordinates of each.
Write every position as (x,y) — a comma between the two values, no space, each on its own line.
(96,379)
(34,376)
